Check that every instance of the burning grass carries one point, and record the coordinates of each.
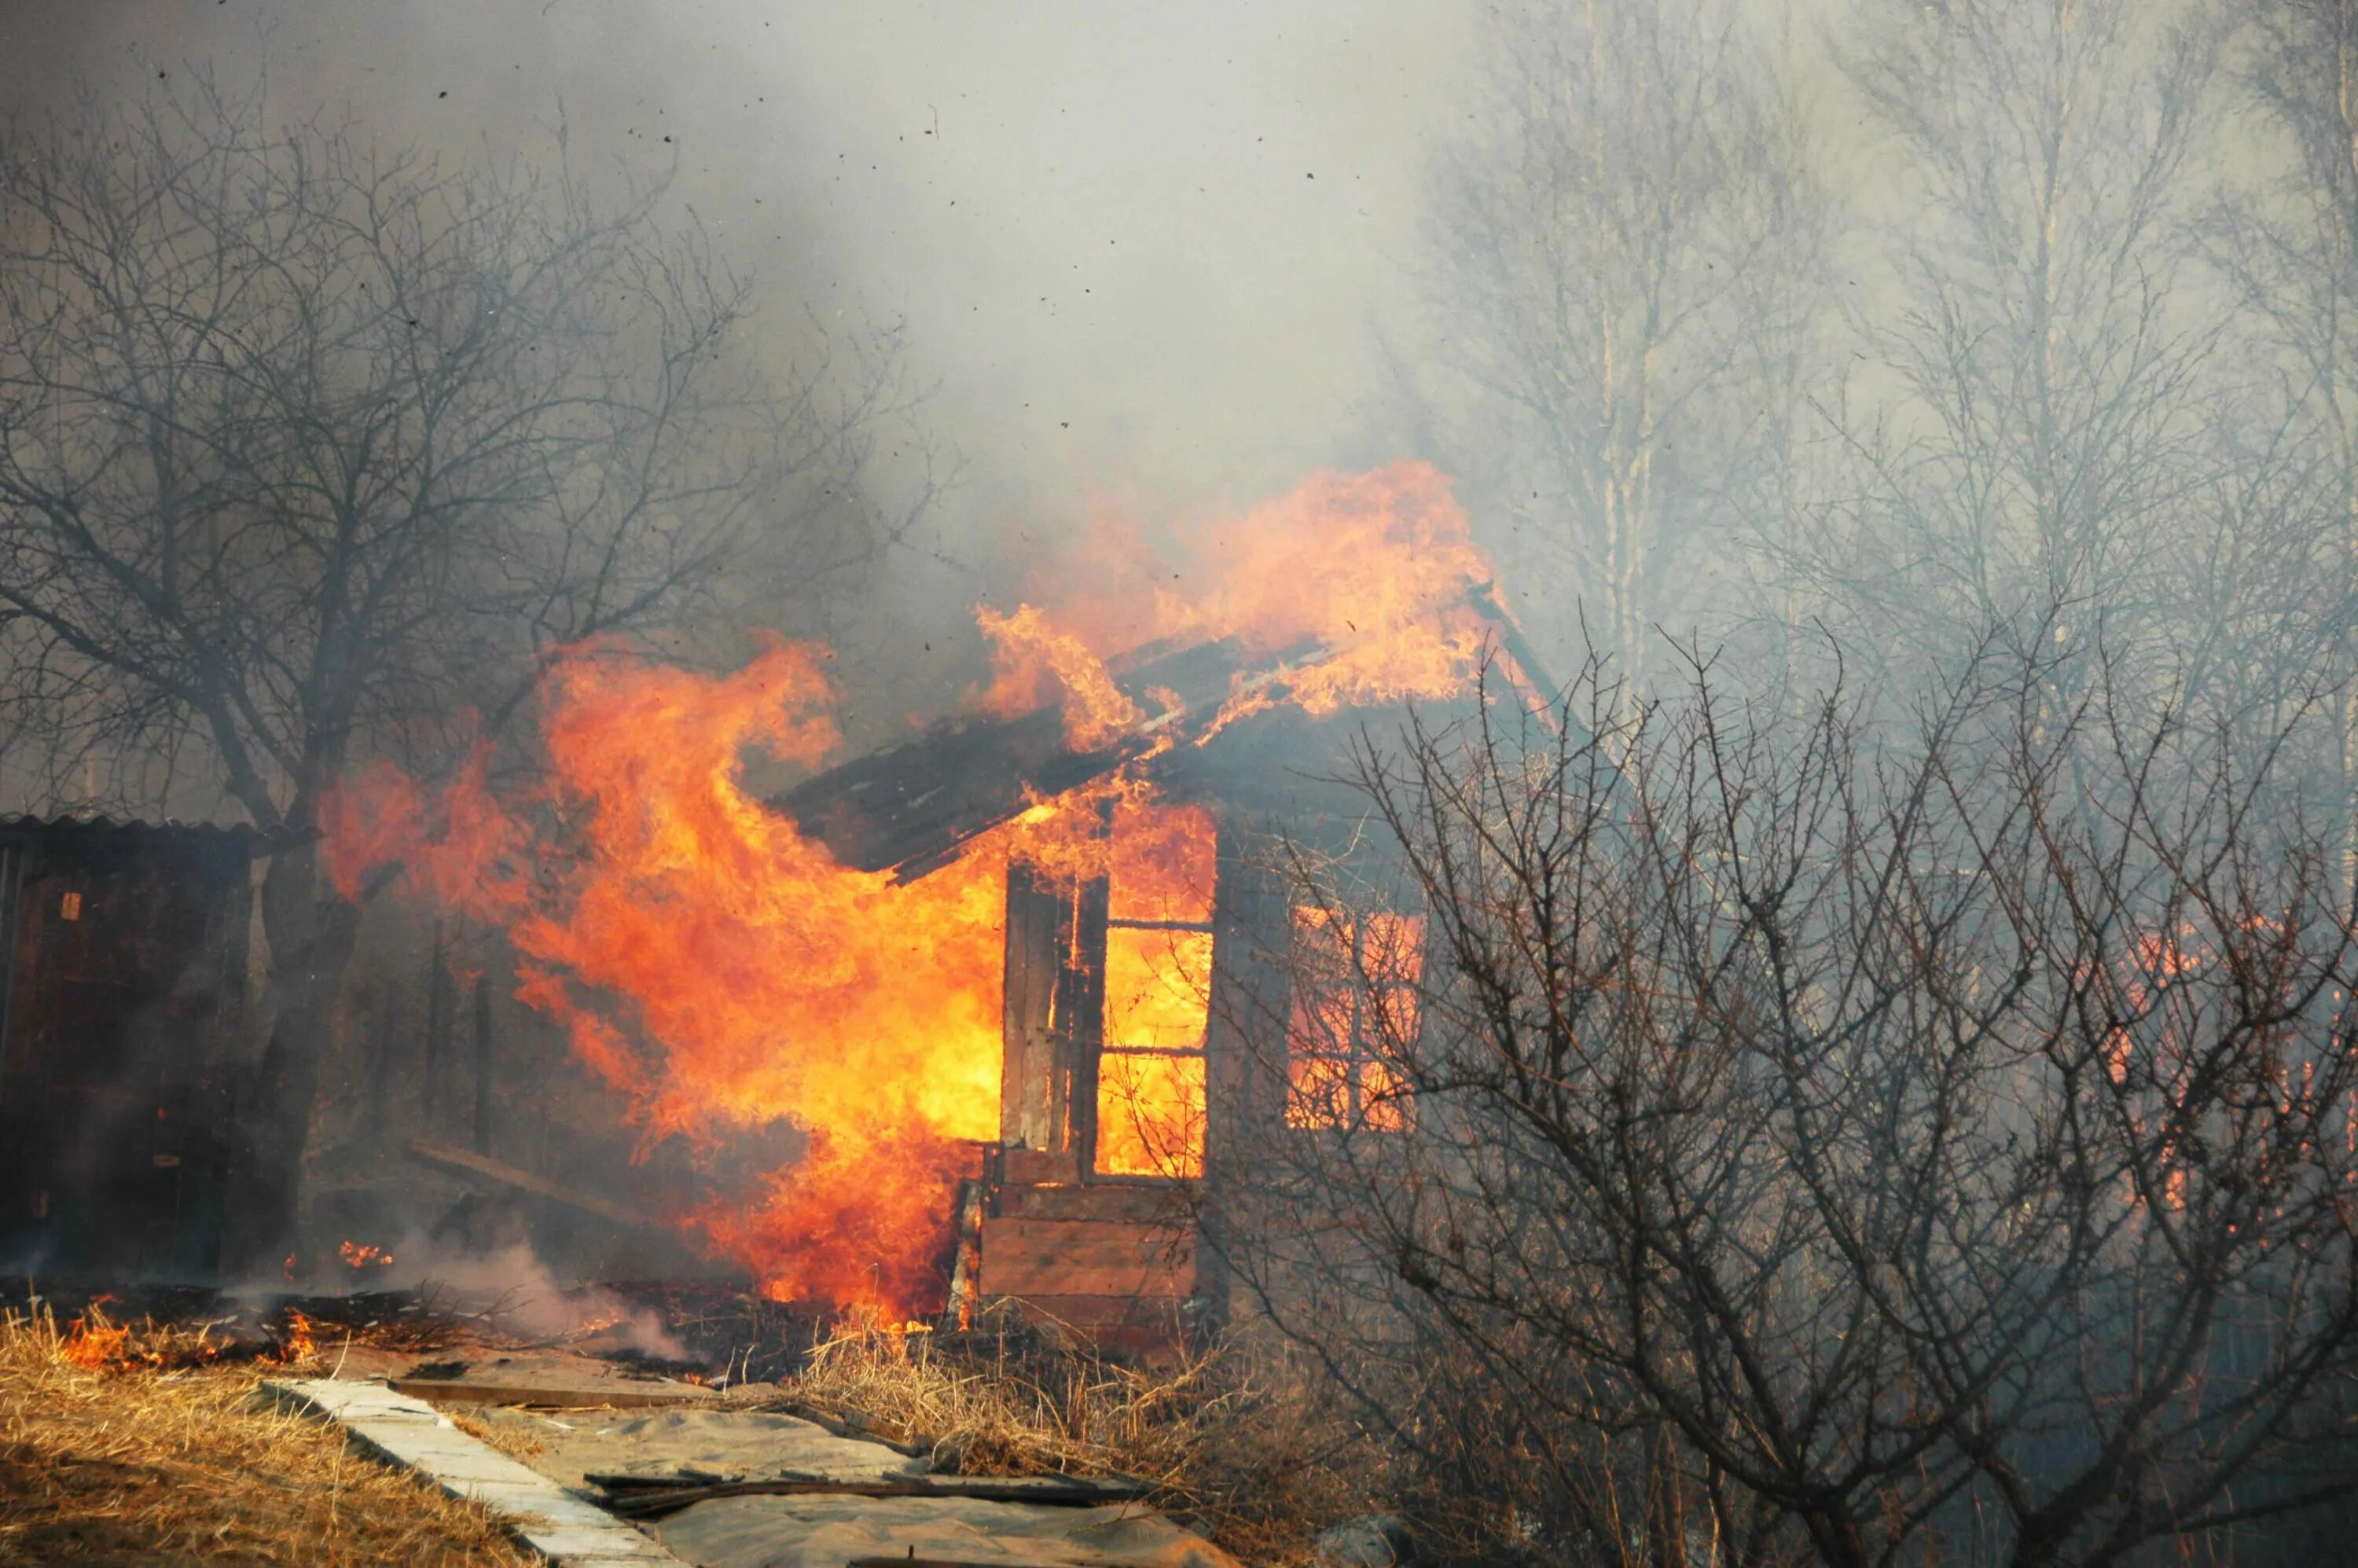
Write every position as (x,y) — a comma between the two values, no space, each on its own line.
(1233,1437)
(147,1445)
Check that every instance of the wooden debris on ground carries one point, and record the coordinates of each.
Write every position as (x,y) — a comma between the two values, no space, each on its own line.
(549,1381)
(652,1497)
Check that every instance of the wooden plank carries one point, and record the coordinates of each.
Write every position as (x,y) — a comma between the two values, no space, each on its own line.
(966,1250)
(1118,1282)
(1085,1258)
(1081,1009)
(1102,1311)
(1104,1315)
(1033,1167)
(862,1427)
(1144,1325)
(1090,1242)
(1032,1092)
(914,1561)
(634,1498)
(590,1386)
(481,1167)
(1244,1046)
(1133,1203)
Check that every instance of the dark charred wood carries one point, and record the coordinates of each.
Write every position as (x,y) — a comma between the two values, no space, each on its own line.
(480,1168)
(966,1252)
(911,808)
(1030,1097)
(1080,1013)
(633,1496)
(853,1425)
(1510,637)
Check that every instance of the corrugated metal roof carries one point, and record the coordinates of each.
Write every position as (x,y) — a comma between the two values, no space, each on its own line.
(244,836)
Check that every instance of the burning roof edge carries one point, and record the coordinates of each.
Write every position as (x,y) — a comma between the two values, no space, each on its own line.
(910,808)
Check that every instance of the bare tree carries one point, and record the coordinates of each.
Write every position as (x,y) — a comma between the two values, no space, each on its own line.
(308,445)
(2287,244)
(1807,1139)
(2033,414)
(1625,264)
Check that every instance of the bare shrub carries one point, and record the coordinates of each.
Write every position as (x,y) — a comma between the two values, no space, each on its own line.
(1802,1139)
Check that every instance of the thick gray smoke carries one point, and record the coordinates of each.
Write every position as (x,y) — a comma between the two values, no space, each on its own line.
(1136,250)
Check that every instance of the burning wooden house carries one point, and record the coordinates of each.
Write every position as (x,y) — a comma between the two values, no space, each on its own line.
(1154,1006)
(120,1001)
(1050,930)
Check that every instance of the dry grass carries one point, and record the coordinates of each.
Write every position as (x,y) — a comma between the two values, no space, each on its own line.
(1232,1437)
(122,1445)
(518,1443)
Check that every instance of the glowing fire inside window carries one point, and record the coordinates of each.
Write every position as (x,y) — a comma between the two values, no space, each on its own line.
(1158,979)
(1355,1005)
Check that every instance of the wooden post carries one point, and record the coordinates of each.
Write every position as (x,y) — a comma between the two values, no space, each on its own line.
(438,1028)
(1031,1110)
(483,1063)
(1081,1009)
(1244,1056)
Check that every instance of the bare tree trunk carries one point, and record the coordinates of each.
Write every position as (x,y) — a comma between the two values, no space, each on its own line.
(312,939)
(438,1029)
(483,1063)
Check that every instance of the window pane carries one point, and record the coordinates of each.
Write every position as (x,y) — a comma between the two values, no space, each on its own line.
(1150,1115)
(1164,860)
(1354,999)
(1320,1021)
(1390,1017)
(1158,988)
(1322,939)
(1391,947)
(1319,1092)
(1385,1103)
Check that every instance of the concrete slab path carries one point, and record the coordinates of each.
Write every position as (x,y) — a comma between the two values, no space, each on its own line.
(415,1435)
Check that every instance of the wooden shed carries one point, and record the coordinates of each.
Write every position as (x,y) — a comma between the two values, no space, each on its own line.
(121,999)
(1149,1025)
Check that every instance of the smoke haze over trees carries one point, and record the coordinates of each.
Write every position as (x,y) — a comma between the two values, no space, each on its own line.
(313,452)
(1884,1070)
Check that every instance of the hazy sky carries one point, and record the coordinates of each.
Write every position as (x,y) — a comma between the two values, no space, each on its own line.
(1139,246)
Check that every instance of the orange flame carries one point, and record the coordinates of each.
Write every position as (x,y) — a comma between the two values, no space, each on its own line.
(717,966)
(94,1342)
(301,1343)
(1031,651)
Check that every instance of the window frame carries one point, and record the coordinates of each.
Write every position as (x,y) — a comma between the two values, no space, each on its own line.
(1357,1060)
(1108,1046)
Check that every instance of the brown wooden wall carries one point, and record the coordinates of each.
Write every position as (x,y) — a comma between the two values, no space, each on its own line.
(120,1001)
(1124,1258)
(1115,1259)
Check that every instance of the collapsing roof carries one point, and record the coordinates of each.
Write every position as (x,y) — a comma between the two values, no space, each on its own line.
(910,808)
